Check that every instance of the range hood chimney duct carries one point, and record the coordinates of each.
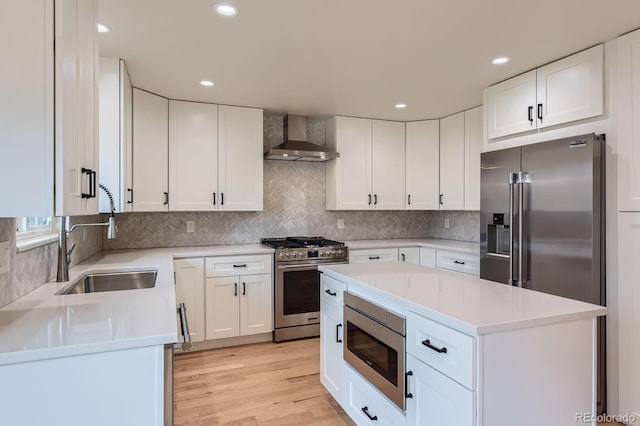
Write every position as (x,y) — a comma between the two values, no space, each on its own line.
(295,146)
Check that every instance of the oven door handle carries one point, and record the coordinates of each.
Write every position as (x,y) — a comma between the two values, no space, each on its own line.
(311,265)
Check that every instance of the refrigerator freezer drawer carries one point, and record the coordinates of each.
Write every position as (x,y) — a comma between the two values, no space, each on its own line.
(459,262)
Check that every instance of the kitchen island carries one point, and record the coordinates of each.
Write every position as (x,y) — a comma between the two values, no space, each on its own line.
(476,352)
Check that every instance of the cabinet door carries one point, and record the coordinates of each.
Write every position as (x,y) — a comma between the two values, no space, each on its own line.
(240,158)
(409,255)
(571,89)
(348,178)
(628,112)
(256,306)
(222,307)
(452,162)
(150,152)
(126,139)
(193,156)
(423,165)
(436,399)
(427,257)
(190,291)
(629,312)
(373,255)
(331,362)
(510,106)
(76,110)
(472,150)
(388,165)
(26,109)
(109,132)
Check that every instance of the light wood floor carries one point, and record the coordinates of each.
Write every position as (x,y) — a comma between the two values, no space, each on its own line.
(265,384)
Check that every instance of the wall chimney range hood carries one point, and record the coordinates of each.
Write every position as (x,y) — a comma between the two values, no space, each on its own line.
(295,146)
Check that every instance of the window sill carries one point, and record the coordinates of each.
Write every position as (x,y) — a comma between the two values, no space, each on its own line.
(33,242)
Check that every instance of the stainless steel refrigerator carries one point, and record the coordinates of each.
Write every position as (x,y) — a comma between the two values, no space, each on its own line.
(542,222)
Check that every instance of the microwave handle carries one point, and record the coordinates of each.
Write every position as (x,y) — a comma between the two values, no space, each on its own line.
(184,328)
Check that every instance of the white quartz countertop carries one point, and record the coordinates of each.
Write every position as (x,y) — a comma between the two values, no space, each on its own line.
(462,246)
(463,302)
(44,325)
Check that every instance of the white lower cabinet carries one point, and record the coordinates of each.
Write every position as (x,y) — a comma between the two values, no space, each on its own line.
(373,255)
(435,399)
(331,363)
(365,405)
(427,257)
(189,280)
(238,306)
(459,262)
(409,255)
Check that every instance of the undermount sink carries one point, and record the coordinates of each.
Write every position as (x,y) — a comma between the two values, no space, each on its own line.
(116,281)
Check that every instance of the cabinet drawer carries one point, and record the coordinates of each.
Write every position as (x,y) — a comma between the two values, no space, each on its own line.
(424,340)
(362,397)
(226,266)
(373,255)
(459,262)
(428,257)
(331,291)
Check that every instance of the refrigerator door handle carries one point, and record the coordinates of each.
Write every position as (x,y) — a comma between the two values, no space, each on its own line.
(522,179)
(513,179)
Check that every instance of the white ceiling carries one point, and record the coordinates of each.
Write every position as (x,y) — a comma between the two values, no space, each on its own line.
(350,57)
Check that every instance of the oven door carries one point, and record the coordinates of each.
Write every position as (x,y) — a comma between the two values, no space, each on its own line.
(376,352)
(297,295)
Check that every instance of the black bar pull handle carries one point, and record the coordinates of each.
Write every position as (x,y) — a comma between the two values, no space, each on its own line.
(235,289)
(409,196)
(369,199)
(375,199)
(330,293)
(459,262)
(130,191)
(338,334)
(312,319)
(366,411)
(407,394)
(222,198)
(374,257)
(530,114)
(244,265)
(88,173)
(244,289)
(428,344)
(540,112)
(214,198)
(404,258)
(93,179)
(441,199)
(166,198)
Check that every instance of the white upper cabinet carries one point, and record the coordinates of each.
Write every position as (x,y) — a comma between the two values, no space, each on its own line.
(628,112)
(27,109)
(567,90)
(150,152)
(472,150)
(452,162)
(423,165)
(240,177)
(369,174)
(193,156)
(388,165)
(510,106)
(76,88)
(115,127)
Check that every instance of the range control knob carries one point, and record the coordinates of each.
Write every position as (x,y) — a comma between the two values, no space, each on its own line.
(322,253)
(333,253)
(287,254)
(295,254)
(281,255)
(339,252)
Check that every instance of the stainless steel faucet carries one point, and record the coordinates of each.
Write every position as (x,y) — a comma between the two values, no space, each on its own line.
(64,255)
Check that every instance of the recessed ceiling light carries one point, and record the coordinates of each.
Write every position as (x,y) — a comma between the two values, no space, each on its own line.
(226,9)
(102,28)
(207,83)
(500,60)
(400,106)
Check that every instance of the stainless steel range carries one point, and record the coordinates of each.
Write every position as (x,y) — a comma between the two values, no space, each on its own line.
(297,283)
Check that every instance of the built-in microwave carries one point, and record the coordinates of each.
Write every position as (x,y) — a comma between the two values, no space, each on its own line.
(374,346)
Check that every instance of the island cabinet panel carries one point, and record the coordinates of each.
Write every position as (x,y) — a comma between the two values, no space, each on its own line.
(539,375)
(433,399)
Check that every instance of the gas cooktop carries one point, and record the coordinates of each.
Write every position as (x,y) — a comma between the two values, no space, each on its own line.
(299,242)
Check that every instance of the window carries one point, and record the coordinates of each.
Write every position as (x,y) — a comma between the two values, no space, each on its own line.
(35,231)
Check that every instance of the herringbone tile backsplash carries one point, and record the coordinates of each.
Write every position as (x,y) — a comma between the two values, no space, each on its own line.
(294,204)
